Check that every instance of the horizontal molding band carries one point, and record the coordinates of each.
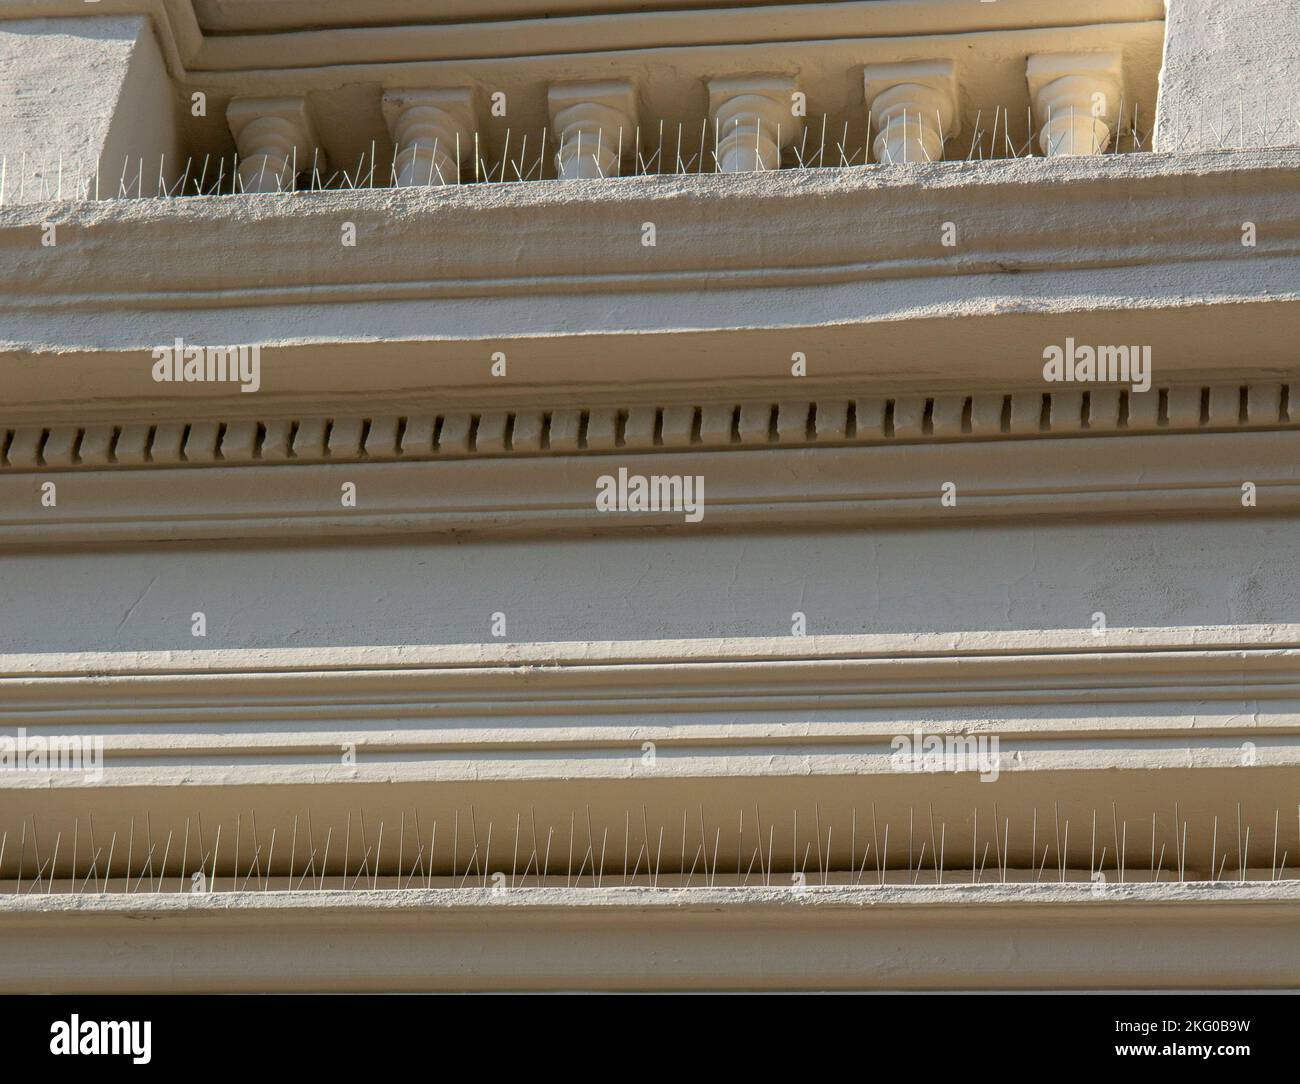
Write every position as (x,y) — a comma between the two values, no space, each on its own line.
(1103,670)
(875,903)
(197,37)
(785,703)
(275,759)
(887,17)
(700,225)
(493,432)
(227,783)
(954,937)
(795,488)
(641,38)
(976,647)
(153,743)
(707,312)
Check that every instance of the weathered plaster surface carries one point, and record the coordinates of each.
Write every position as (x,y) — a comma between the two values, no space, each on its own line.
(79,92)
(1230,76)
(848,269)
(996,577)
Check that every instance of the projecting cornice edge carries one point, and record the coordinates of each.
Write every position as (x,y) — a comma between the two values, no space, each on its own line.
(782,229)
(973,937)
(849,267)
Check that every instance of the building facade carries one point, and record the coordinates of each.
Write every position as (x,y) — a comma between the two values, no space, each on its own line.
(593,495)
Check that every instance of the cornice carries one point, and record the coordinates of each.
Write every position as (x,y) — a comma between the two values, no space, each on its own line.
(177,27)
(499,429)
(848,269)
(792,488)
(1020,216)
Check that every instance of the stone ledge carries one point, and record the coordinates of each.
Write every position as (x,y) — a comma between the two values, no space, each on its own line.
(579,306)
(984,937)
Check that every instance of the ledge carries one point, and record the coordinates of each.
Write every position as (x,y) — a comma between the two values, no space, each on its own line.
(956,937)
(848,270)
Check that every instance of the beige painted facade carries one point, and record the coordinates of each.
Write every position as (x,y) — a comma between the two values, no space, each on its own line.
(939,674)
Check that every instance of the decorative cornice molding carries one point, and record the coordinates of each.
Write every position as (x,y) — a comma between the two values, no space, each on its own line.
(285,248)
(759,709)
(794,488)
(817,674)
(890,303)
(781,723)
(496,430)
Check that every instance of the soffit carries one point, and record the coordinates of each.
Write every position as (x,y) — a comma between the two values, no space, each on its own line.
(253,16)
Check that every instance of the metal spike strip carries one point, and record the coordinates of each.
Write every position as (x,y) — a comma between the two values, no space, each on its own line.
(50,178)
(596,857)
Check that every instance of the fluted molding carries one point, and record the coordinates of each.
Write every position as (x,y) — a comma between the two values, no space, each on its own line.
(1076,100)
(913,109)
(754,120)
(432,131)
(276,141)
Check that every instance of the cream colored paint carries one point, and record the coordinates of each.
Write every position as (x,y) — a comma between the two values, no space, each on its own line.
(79,96)
(989,937)
(324,634)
